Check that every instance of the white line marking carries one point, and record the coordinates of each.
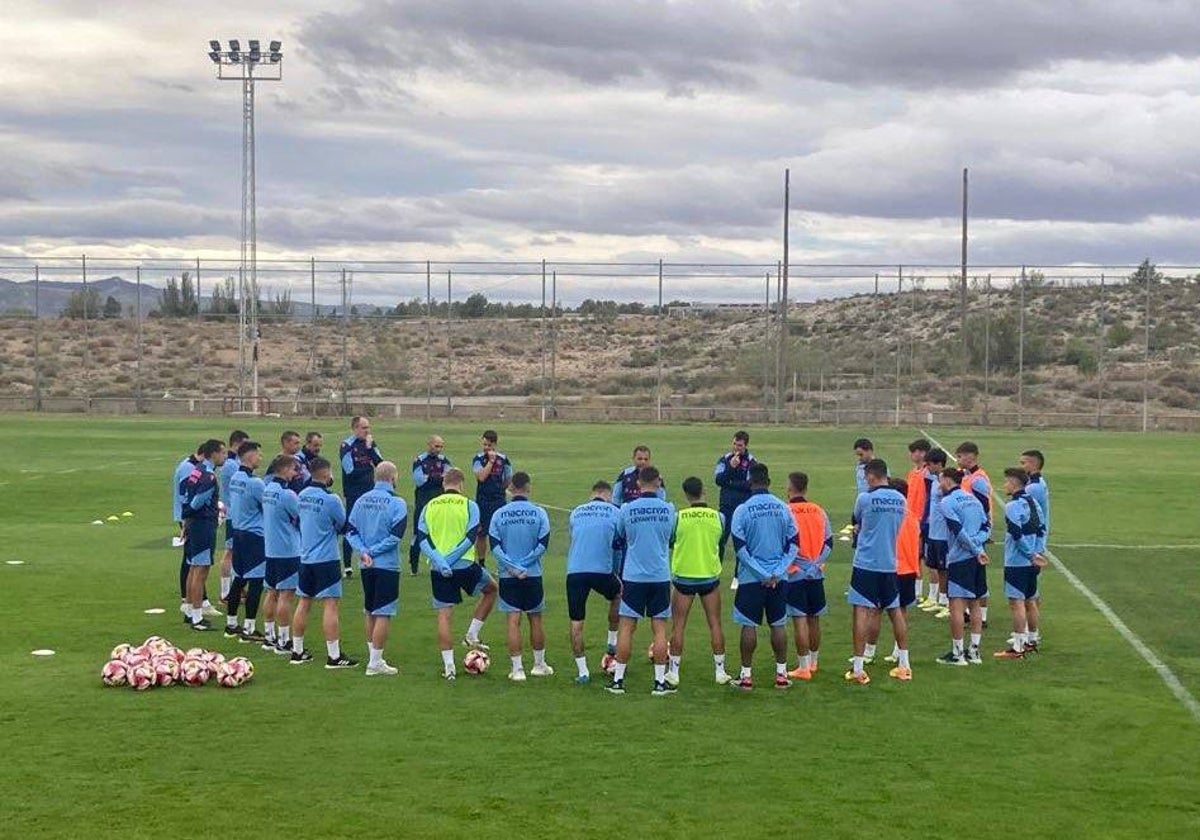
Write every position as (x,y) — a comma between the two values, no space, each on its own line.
(1115,547)
(1168,676)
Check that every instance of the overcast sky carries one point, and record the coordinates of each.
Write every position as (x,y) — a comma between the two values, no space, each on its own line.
(617,130)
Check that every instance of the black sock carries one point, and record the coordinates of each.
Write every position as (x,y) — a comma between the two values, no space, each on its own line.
(254,590)
(184,568)
(235,596)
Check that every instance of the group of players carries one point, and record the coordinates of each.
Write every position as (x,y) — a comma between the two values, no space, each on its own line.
(627,544)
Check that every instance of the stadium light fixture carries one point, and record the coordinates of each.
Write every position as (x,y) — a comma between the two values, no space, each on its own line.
(246,67)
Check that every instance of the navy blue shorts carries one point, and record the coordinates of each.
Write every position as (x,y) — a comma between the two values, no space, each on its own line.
(805,598)
(522,595)
(581,584)
(249,555)
(381,591)
(967,579)
(695,586)
(754,602)
(228,534)
(320,580)
(935,554)
(641,599)
(874,590)
(283,573)
(907,587)
(487,509)
(447,591)
(199,541)
(1021,582)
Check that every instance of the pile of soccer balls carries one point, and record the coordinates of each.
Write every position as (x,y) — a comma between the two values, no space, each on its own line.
(157,662)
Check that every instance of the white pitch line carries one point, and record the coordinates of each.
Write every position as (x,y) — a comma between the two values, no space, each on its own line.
(1168,676)
(1115,547)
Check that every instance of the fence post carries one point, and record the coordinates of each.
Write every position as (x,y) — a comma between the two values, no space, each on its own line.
(37,338)
(449,346)
(137,314)
(1146,363)
(345,348)
(545,340)
(87,342)
(1100,360)
(767,343)
(553,342)
(896,325)
(312,331)
(428,340)
(658,344)
(1021,355)
(987,347)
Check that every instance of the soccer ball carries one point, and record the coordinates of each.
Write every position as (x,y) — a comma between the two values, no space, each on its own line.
(134,657)
(141,676)
(194,672)
(476,662)
(176,654)
(194,653)
(608,663)
(245,667)
(229,674)
(120,650)
(114,673)
(214,660)
(166,670)
(156,644)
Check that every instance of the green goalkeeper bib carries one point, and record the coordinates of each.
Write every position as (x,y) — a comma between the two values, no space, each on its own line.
(697,542)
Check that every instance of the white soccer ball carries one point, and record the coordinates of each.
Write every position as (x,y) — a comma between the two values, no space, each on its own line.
(608,663)
(476,662)
(166,670)
(134,657)
(120,650)
(114,673)
(229,675)
(194,671)
(141,676)
(245,667)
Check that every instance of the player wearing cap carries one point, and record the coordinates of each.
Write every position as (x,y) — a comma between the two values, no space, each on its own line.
(374,529)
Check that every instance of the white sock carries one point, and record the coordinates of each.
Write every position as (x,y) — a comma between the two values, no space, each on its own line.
(334,648)
(956,646)
(448,660)
(248,625)
(473,630)
(375,656)
(933,592)
(674,663)
(619,672)
(660,671)
(983,612)
(868,651)
(197,614)
(804,662)
(976,638)
(539,657)
(226,582)
(902,655)
(1033,636)
(612,638)
(858,664)
(517,664)
(744,674)
(1018,642)
(719,661)
(269,629)
(581,664)
(814,656)
(231,621)
(943,600)
(283,635)
(781,669)
(895,650)
(298,644)
(206,603)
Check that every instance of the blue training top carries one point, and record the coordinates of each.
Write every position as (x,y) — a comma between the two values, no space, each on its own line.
(376,525)
(967,522)
(764,538)
(281,520)
(647,525)
(322,518)
(879,513)
(593,528)
(519,535)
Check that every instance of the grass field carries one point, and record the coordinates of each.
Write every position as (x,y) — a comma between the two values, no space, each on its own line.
(1084,740)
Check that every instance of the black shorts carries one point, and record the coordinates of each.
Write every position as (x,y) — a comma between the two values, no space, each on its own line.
(381,591)
(695,587)
(249,555)
(447,591)
(320,580)
(935,554)
(873,589)
(907,586)
(522,595)
(487,509)
(1021,582)
(283,572)
(806,598)
(645,599)
(581,584)
(967,579)
(228,533)
(755,603)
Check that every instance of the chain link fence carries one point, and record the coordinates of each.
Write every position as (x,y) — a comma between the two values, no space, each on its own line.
(1104,347)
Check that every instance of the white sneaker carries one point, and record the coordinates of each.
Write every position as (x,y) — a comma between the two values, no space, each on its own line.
(382,670)
(542,670)
(184,607)
(671,678)
(723,678)
(516,676)
(449,675)
(212,612)
(474,644)
(973,655)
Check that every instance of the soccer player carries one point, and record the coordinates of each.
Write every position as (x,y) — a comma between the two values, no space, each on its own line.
(908,561)
(359,457)
(1023,559)
(879,513)
(493,474)
(806,575)
(249,552)
(696,573)
(916,498)
(281,540)
(310,450)
(376,525)
(646,525)
(199,512)
(227,471)
(937,535)
(289,444)
(965,560)
(625,488)
(322,518)
(976,482)
(427,471)
(182,471)
(592,564)
(519,535)
(864,453)
(764,539)
(1032,461)
(446,531)
(732,475)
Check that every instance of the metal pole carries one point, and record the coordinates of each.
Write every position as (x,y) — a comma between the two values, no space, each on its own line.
(1146,364)
(962,293)
(428,340)
(87,356)
(658,346)
(767,343)
(449,345)
(138,365)
(899,292)
(545,341)
(37,338)
(782,337)
(345,345)
(312,328)
(553,341)
(1100,359)
(987,344)
(1021,355)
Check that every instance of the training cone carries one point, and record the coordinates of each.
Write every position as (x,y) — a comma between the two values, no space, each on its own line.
(114,519)
(97,521)
(127,514)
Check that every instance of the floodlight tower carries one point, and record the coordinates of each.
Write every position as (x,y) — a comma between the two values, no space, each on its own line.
(248,67)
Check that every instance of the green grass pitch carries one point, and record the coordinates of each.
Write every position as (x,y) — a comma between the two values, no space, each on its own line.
(1084,740)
